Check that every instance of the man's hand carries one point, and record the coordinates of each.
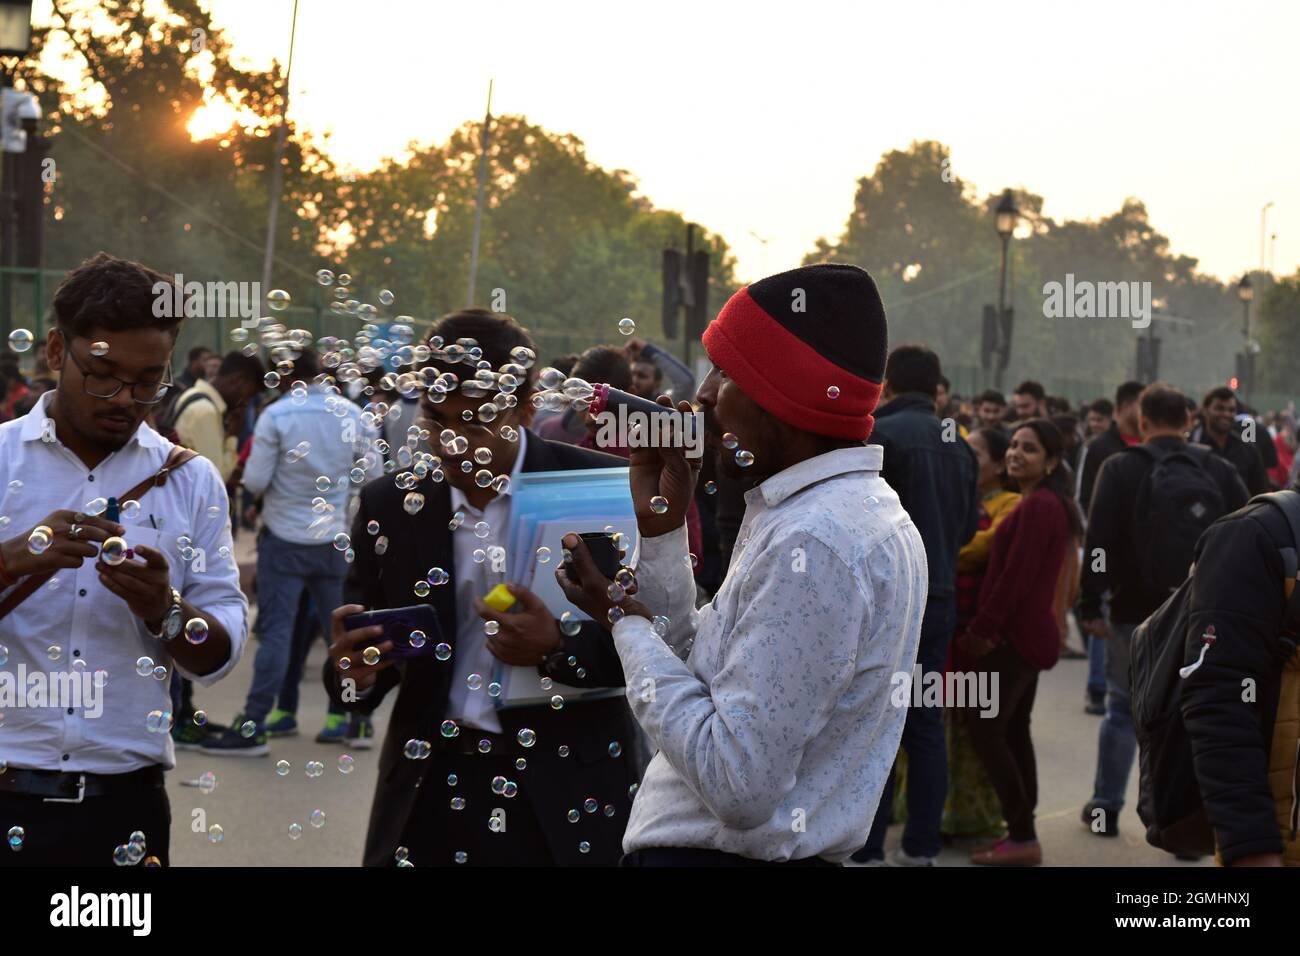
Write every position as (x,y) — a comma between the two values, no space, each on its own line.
(64,551)
(1096,626)
(587,589)
(144,586)
(528,630)
(634,348)
(349,644)
(662,473)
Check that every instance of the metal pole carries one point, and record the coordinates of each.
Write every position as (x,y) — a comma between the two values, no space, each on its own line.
(277,164)
(1263,215)
(1002,311)
(686,318)
(478,199)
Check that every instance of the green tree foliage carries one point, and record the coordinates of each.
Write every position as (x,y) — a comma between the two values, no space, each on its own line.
(931,244)
(573,246)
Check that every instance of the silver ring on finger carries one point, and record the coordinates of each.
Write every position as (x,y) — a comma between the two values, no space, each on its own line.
(74,532)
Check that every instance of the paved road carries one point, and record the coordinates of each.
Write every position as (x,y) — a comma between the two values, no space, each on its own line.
(255,807)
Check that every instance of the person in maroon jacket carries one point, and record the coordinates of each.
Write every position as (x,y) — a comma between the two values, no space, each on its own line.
(1014,634)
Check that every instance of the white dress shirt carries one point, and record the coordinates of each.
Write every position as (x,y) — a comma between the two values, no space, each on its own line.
(776,733)
(476,708)
(92,627)
(336,437)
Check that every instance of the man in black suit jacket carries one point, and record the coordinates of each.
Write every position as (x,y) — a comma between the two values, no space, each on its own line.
(576,789)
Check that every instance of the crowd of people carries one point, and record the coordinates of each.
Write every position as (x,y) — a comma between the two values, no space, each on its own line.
(729,688)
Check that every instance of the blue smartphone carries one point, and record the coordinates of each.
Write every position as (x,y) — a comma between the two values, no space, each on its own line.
(399,623)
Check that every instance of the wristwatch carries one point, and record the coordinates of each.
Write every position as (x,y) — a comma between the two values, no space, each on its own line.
(171,622)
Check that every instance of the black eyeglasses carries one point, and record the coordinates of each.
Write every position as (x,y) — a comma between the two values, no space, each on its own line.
(107,386)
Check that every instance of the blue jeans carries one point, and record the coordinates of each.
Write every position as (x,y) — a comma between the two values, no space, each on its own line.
(306,628)
(1096,665)
(927,750)
(1116,740)
(284,571)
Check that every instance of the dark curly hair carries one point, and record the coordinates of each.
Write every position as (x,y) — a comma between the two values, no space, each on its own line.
(112,294)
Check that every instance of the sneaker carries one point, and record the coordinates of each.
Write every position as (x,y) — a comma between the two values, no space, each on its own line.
(281,723)
(1099,820)
(335,730)
(1010,853)
(231,743)
(361,733)
(187,735)
(900,857)
(1096,705)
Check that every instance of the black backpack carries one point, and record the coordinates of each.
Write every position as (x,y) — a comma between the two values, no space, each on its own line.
(1169,798)
(166,417)
(1176,501)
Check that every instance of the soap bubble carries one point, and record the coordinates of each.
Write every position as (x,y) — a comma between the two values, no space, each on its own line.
(626,326)
(659,504)
(710,487)
(325,277)
(615,748)
(543,555)
(833,392)
(385,297)
(282,768)
(372,527)
(526,737)
(422,588)
(99,349)
(482,529)
(413,502)
(450,729)
(342,541)
(417,638)
(144,666)
(196,630)
(744,458)
(474,681)
(557,703)
(295,831)
(216,833)
(271,379)
(278,300)
(570,624)
(247,729)
(729,440)
(317,818)
(442,652)
(20,340)
(207,782)
(371,656)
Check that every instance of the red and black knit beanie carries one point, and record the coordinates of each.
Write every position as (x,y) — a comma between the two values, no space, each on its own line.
(808,345)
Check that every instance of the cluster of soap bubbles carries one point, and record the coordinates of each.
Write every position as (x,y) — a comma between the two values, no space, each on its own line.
(134,851)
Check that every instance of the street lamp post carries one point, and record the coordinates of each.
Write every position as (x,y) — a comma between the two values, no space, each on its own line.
(1246,292)
(1005,223)
(15,41)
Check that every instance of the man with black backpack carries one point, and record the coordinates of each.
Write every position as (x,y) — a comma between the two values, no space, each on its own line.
(1216,695)
(1150,505)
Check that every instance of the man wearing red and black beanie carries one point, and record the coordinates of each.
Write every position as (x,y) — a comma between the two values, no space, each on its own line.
(771,707)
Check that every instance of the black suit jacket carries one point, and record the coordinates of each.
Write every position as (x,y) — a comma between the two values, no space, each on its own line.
(555,785)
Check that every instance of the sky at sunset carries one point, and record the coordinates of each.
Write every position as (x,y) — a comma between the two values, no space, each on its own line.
(756,119)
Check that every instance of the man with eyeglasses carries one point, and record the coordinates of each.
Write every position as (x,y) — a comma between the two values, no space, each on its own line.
(89,640)
(449,808)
